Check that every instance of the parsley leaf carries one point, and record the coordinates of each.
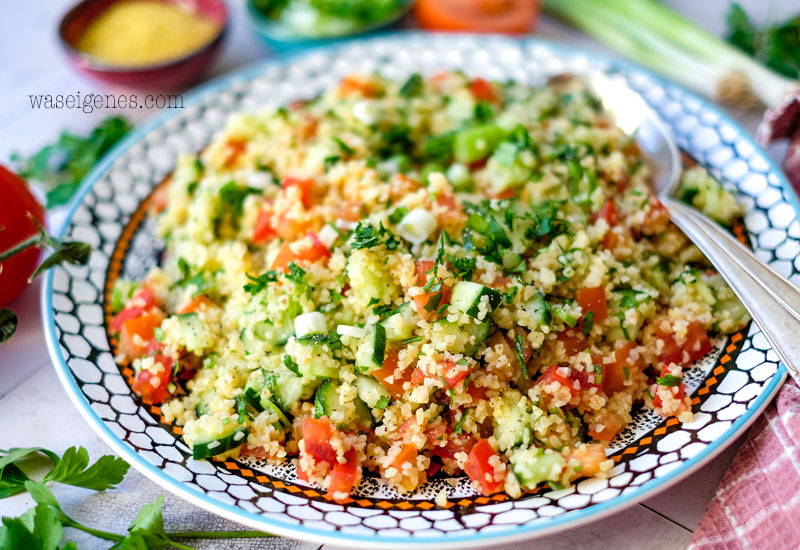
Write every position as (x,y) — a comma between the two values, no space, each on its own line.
(382,403)
(346,149)
(74,469)
(413,86)
(459,427)
(519,350)
(669,380)
(464,267)
(397,215)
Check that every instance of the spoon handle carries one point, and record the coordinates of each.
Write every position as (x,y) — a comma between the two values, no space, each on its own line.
(773,302)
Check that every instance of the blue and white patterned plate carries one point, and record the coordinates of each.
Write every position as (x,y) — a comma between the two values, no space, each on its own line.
(729,387)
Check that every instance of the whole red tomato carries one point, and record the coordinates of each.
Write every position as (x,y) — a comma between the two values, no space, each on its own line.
(16,201)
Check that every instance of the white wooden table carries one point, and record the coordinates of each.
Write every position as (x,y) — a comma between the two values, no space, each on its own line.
(35,410)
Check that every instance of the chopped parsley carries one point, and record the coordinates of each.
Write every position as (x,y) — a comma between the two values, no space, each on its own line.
(296,274)
(519,350)
(366,236)
(382,403)
(397,215)
(346,149)
(413,86)
(259,283)
(669,380)
(458,428)
(588,323)
(292,365)
(233,195)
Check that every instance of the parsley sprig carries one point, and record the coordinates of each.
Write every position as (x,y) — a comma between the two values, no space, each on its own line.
(42,526)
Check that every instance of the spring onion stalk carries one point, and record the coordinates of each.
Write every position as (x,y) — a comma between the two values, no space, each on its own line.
(658,37)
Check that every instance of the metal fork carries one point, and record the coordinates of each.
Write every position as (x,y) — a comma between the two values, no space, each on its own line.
(773,302)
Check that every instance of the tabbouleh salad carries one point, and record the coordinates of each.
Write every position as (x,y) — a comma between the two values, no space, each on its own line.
(443,273)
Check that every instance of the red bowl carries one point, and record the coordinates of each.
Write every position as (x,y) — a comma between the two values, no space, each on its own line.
(171,74)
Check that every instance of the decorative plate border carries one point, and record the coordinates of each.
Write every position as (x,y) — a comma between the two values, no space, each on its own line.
(81,352)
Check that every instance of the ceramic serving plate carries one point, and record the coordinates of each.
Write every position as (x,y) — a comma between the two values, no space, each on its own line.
(730,386)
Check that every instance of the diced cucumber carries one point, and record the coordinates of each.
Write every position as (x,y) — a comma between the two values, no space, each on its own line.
(563,313)
(467,297)
(533,466)
(372,349)
(194,333)
(539,311)
(287,390)
(517,427)
(203,407)
(401,324)
(230,436)
(467,339)
(122,292)
(328,402)
(477,143)
(371,391)
(254,396)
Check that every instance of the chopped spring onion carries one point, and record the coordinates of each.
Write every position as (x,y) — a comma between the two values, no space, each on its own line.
(416,226)
(310,323)
(348,330)
(346,225)
(655,35)
(327,235)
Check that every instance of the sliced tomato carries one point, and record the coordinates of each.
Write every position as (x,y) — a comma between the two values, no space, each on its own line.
(483,90)
(479,469)
(385,374)
(304,185)
(343,477)
(495,16)
(153,389)
(593,299)
(317,434)
(607,212)
(137,333)
(198,303)
(263,230)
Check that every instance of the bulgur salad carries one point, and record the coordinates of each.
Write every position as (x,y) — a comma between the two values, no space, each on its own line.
(442,273)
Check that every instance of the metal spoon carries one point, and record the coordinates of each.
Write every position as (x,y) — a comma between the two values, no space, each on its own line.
(773,302)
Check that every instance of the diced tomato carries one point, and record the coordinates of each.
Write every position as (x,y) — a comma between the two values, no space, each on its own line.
(593,299)
(592,378)
(454,211)
(555,373)
(608,212)
(483,90)
(343,477)
(610,240)
(590,457)
(304,185)
(573,339)
(501,282)
(657,217)
(317,434)
(453,375)
(317,251)
(679,394)
(480,471)
(433,469)
(263,230)
(129,312)
(476,393)
(354,84)
(407,454)
(606,427)
(137,332)
(153,388)
(422,268)
(349,211)
(456,443)
(385,374)
(160,197)
(417,377)
(425,307)
(233,150)
(198,303)
(614,377)
(697,344)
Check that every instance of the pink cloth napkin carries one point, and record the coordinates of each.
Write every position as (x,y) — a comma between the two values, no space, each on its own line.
(757,504)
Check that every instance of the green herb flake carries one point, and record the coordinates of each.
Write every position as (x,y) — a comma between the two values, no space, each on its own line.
(669,380)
